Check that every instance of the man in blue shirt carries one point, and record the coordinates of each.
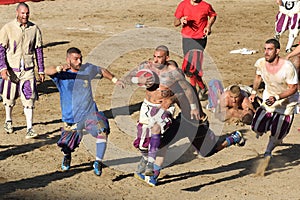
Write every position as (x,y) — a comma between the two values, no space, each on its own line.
(79,110)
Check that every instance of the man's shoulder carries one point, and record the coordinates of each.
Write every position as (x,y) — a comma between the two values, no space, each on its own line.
(89,69)
(88,66)
(31,25)
(174,70)
(288,63)
(172,66)
(10,24)
(260,62)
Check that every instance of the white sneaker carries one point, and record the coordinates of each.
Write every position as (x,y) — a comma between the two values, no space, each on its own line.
(31,134)
(8,127)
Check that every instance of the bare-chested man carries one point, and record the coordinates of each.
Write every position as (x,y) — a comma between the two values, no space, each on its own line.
(235,105)
(157,109)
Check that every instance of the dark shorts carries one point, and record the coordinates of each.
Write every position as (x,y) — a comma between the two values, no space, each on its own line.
(200,136)
(190,43)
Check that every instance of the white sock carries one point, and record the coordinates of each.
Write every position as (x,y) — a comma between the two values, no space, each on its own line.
(28,115)
(8,111)
(290,41)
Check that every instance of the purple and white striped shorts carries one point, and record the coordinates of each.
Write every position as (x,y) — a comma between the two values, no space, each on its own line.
(285,22)
(278,124)
(156,115)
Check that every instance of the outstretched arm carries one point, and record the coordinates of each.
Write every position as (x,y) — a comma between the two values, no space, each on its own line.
(107,74)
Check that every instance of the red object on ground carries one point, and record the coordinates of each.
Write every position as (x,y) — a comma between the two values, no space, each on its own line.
(4,2)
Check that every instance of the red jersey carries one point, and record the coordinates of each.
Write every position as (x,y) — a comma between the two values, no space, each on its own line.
(197,16)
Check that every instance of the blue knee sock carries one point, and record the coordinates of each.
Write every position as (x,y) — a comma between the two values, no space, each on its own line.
(229,140)
(100,149)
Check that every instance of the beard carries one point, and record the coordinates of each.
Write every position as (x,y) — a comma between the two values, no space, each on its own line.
(270,59)
(75,67)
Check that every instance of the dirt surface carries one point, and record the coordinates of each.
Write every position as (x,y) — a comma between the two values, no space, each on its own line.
(105,32)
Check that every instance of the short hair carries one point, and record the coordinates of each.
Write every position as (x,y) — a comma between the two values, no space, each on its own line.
(274,42)
(235,89)
(73,50)
(163,48)
(22,4)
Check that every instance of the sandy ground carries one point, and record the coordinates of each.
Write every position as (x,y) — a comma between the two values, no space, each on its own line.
(105,32)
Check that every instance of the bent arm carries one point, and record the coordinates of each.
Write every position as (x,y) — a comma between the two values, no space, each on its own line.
(195,106)
(51,70)
(257,81)
(247,105)
(292,89)
(180,21)
(295,52)
(177,22)
(222,107)
(211,21)
(3,66)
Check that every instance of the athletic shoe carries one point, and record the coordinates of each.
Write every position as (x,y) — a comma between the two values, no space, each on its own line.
(66,163)
(151,180)
(98,167)
(288,50)
(149,169)
(141,166)
(139,176)
(8,127)
(31,134)
(238,138)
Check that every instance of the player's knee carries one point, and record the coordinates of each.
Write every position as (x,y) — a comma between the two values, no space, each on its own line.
(155,129)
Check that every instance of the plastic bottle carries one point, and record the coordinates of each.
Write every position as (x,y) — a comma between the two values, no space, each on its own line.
(139,25)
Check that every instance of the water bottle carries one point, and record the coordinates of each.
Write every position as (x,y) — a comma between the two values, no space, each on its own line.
(139,25)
